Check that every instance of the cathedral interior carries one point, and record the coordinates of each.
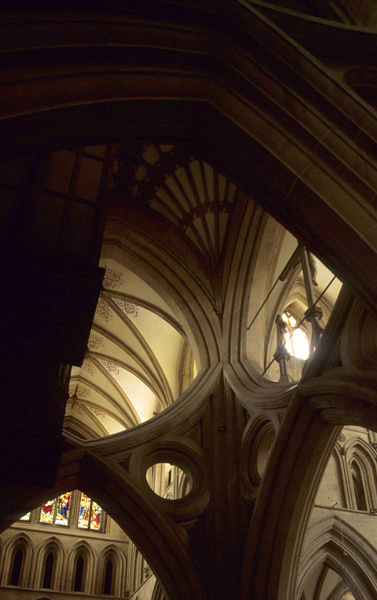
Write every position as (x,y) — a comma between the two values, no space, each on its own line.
(189,210)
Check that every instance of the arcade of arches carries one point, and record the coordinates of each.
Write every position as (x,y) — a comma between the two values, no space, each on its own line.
(189,301)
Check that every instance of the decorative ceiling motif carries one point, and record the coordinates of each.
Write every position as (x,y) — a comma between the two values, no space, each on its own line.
(138,360)
(193,197)
(132,367)
(95,341)
(76,391)
(127,307)
(89,367)
(109,366)
(187,191)
(103,309)
(112,278)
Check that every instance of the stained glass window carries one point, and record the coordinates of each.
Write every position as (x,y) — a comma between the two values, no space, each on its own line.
(64,505)
(90,514)
(26,517)
(56,511)
(47,512)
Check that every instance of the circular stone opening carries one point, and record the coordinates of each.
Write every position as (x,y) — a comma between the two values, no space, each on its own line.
(264,449)
(168,481)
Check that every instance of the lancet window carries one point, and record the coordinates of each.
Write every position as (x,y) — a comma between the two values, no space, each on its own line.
(48,570)
(79,574)
(108,583)
(17,562)
(296,338)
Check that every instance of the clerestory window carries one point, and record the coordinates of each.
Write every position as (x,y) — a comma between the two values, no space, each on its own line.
(71,509)
(56,511)
(296,338)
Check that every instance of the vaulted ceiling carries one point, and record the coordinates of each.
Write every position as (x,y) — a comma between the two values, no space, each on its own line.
(138,359)
(133,366)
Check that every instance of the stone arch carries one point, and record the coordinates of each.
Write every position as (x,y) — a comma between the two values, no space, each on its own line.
(153,532)
(138,574)
(19,541)
(52,544)
(208,105)
(183,485)
(360,452)
(337,544)
(364,82)
(318,417)
(81,549)
(119,568)
(298,183)
(257,441)
(157,593)
(342,473)
(175,283)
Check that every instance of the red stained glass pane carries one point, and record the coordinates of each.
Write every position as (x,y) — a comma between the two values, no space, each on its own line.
(47,511)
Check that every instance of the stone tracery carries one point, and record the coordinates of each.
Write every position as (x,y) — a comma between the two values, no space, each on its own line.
(316,139)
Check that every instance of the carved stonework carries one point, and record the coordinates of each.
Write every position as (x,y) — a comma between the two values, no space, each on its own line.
(74,406)
(97,412)
(89,367)
(95,342)
(127,307)
(112,278)
(78,391)
(103,309)
(109,366)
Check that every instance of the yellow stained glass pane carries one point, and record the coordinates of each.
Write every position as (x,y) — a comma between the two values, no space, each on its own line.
(95,517)
(63,508)
(84,513)
(26,517)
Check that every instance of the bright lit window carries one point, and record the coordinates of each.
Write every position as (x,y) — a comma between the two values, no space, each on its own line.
(56,511)
(90,514)
(26,517)
(297,342)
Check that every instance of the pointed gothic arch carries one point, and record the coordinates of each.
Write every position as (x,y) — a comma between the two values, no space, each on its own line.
(23,544)
(152,531)
(318,416)
(92,105)
(335,543)
(360,460)
(105,581)
(206,109)
(80,568)
(51,545)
